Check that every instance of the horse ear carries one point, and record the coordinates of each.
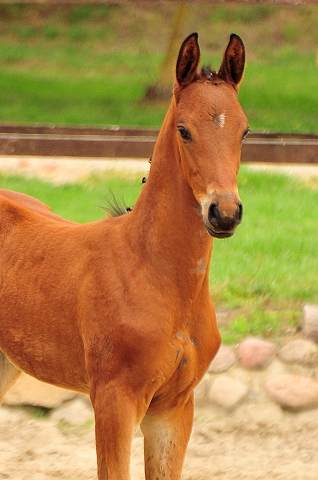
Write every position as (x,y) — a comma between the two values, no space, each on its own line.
(188,60)
(232,66)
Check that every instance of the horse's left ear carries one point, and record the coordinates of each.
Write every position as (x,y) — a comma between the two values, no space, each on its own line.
(188,60)
(232,66)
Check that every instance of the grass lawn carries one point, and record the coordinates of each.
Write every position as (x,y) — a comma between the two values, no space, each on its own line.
(265,273)
(274,96)
(268,270)
(277,98)
(91,65)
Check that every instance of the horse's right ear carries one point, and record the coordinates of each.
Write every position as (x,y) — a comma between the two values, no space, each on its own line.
(188,60)
(232,66)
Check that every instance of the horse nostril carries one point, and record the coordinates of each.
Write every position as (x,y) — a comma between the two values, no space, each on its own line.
(221,220)
(213,214)
(239,211)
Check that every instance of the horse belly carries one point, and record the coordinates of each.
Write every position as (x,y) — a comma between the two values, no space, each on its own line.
(40,336)
(50,361)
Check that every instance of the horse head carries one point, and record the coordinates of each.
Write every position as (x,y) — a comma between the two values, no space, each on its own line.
(210,128)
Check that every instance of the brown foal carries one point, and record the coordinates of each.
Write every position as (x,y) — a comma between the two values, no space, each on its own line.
(120,308)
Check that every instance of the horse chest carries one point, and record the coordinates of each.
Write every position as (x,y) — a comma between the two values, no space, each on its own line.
(186,361)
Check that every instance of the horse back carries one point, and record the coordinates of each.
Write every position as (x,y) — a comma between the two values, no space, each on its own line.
(16,206)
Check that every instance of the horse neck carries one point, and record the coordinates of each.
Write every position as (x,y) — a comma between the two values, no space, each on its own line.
(166,219)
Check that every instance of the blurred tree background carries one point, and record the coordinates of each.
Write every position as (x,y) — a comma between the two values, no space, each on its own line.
(108,64)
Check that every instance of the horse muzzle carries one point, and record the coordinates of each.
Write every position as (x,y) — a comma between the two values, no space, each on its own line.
(221,214)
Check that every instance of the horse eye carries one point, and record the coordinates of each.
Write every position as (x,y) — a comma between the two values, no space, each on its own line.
(245,133)
(185,135)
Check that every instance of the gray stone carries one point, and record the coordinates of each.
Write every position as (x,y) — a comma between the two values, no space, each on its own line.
(29,391)
(223,360)
(276,367)
(300,351)
(227,392)
(254,353)
(310,322)
(293,391)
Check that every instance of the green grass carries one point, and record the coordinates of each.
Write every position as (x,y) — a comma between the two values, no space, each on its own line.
(275,246)
(67,100)
(266,272)
(81,202)
(277,98)
(72,89)
(274,95)
(91,65)
(39,413)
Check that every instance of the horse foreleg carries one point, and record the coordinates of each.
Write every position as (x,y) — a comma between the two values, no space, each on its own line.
(9,374)
(116,419)
(166,438)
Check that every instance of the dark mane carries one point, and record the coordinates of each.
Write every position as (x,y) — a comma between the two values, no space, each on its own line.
(208,73)
(114,207)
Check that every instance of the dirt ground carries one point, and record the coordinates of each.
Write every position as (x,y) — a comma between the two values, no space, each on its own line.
(221,447)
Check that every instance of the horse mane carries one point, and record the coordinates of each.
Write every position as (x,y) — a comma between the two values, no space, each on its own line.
(116,207)
(207,73)
(113,206)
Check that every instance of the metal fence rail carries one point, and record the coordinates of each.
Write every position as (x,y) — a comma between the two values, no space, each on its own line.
(139,143)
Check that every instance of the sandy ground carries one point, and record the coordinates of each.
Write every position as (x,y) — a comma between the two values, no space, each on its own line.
(59,170)
(221,447)
(225,448)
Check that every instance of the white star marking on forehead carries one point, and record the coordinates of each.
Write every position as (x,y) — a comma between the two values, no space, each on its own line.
(219,120)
